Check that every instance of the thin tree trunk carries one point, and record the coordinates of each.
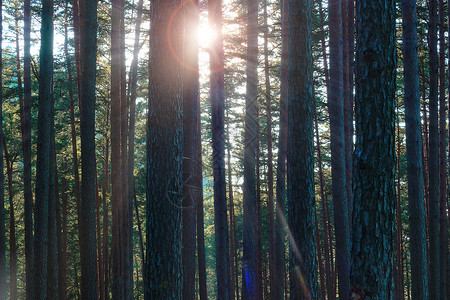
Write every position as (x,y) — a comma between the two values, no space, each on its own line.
(250,290)
(399,284)
(43,152)
(201,256)
(3,289)
(131,126)
(62,270)
(116,158)
(27,188)
(191,105)
(279,283)
(415,154)
(234,287)
(270,215)
(105,210)
(88,255)
(337,133)
(258,247)
(52,256)
(12,228)
(218,134)
(100,270)
(443,230)
(324,205)
(433,161)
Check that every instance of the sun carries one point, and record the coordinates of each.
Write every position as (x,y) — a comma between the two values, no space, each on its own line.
(205,35)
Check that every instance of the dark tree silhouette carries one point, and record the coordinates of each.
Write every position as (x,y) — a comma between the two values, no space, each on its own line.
(300,156)
(88,236)
(27,189)
(163,271)
(374,156)
(249,289)
(419,277)
(218,144)
(337,130)
(433,155)
(43,152)
(2,175)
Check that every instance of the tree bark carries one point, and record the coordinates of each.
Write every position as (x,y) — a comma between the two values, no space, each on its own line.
(27,188)
(443,196)
(163,271)
(12,227)
(251,106)
(419,277)
(191,106)
(116,158)
(301,198)
(43,152)
(374,156)
(278,285)
(88,255)
(337,133)
(270,216)
(433,154)
(105,210)
(218,144)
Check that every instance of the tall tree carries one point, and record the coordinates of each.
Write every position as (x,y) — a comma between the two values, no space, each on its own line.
(419,277)
(300,155)
(132,123)
(43,152)
(270,216)
(52,261)
(218,144)
(26,144)
(251,107)
(163,271)
(433,155)
(337,131)
(443,196)
(27,189)
(190,145)
(116,158)
(278,285)
(374,156)
(88,237)
(2,176)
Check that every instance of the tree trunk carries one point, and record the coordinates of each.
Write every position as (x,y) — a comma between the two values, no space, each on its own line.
(12,228)
(270,215)
(131,125)
(301,198)
(398,266)
(105,210)
(89,288)
(191,102)
(2,176)
(43,152)
(251,106)
(374,157)
(218,145)
(258,247)
(203,295)
(116,158)
(27,189)
(278,285)
(163,271)
(100,270)
(62,249)
(418,239)
(443,230)
(52,256)
(433,160)
(337,133)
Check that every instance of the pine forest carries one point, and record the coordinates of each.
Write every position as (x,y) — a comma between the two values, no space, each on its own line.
(224,149)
